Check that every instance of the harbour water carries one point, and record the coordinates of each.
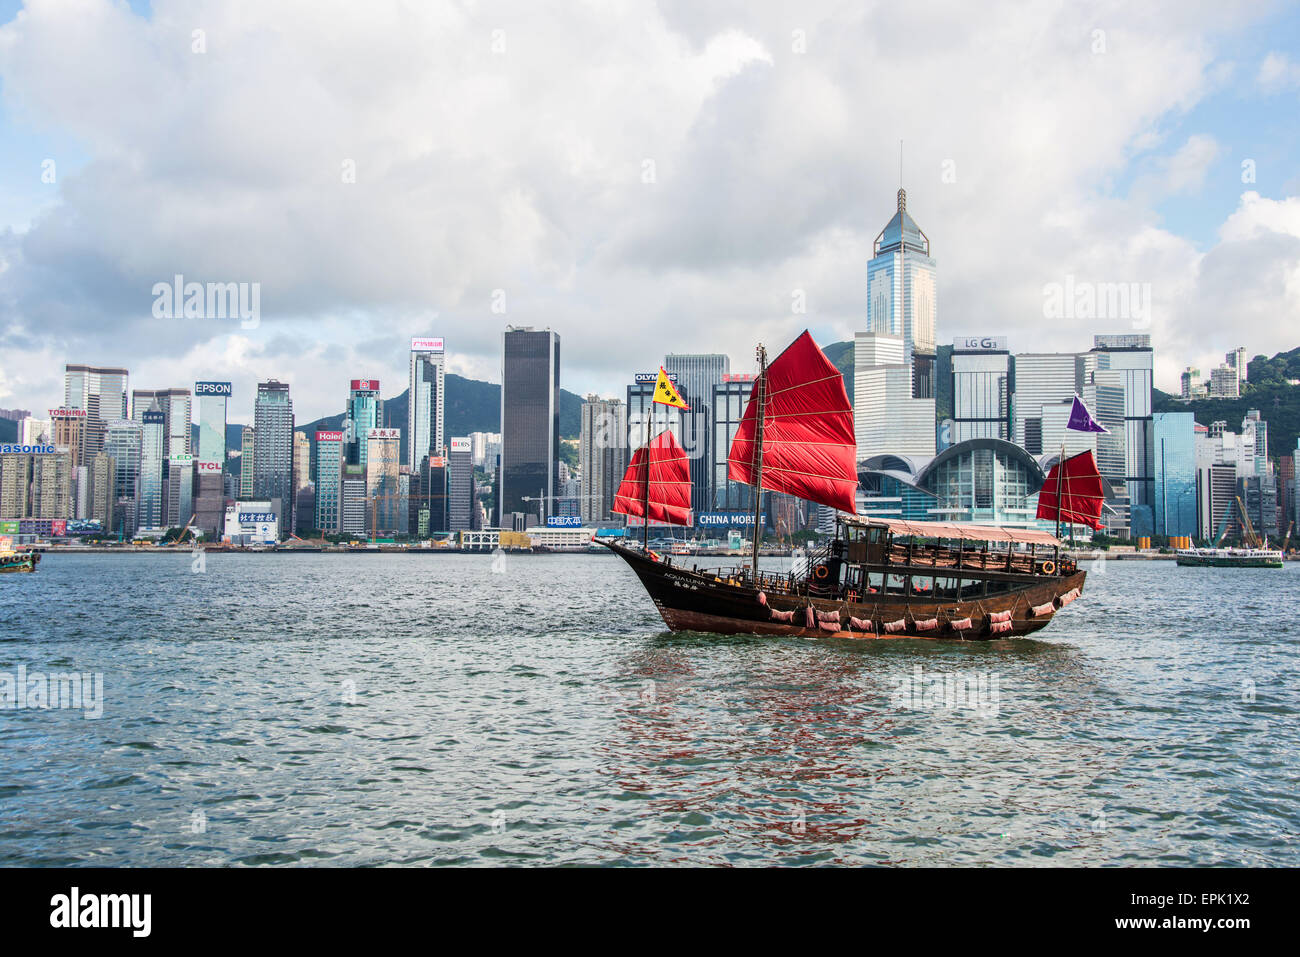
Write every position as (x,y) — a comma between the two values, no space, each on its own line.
(454,709)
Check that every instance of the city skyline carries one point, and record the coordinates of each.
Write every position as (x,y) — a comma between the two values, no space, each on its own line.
(741,131)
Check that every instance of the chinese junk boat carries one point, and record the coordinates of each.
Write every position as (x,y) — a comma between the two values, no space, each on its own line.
(878,578)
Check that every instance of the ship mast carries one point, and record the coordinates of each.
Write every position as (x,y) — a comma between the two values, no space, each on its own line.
(761,392)
(645,514)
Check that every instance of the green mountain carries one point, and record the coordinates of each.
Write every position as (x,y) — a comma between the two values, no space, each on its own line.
(472,406)
(1269,388)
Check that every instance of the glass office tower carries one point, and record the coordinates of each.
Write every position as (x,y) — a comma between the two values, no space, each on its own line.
(530,425)
(426,401)
(901,294)
(1174,435)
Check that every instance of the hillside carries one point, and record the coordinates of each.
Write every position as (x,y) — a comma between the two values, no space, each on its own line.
(472,406)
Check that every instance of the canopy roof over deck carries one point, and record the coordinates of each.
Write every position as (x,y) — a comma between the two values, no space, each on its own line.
(971,533)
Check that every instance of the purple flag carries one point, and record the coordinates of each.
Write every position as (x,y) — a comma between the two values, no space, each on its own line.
(1081,419)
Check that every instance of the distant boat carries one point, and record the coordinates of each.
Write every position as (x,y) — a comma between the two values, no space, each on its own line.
(17,560)
(878,578)
(1229,557)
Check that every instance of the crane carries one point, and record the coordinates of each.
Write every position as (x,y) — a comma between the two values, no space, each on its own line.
(1250,539)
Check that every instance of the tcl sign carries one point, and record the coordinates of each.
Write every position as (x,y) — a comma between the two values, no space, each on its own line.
(209,466)
(426,345)
(365,385)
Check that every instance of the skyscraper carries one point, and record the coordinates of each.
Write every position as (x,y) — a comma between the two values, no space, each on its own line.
(697,374)
(176,408)
(149,505)
(123,439)
(460,485)
(1131,356)
(425,401)
(901,295)
(530,425)
(382,469)
(602,456)
(247,456)
(982,386)
(729,400)
(101,490)
(101,393)
(1175,473)
(69,427)
(273,449)
(365,411)
(887,418)
(210,457)
(328,477)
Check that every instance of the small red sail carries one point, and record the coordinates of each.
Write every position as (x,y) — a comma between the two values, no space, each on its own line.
(1082,493)
(809,449)
(670,482)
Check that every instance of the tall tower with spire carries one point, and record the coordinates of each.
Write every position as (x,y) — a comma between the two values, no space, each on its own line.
(901,294)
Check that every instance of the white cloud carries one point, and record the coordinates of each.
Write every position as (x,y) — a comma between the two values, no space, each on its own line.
(1277,73)
(506,148)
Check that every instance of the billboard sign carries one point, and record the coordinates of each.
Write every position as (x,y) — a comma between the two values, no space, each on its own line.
(461,445)
(67,413)
(329,436)
(153,418)
(59,527)
(209,466)
(426,345)
(563,521)
(26,450)
(384,434)
(738,377)
(255,518)
(181,458)
(724,519)
(980,344)
(9,528)
(212,388)
(365,385)
(641,378)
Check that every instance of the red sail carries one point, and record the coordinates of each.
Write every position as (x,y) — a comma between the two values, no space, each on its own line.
(670,482)
(809,449)
(1081,492)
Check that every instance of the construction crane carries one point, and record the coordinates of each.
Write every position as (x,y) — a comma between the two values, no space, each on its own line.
(1287,541)
(1249,538)
(188,528)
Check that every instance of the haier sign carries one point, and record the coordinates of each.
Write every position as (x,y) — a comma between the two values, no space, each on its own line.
(212,388)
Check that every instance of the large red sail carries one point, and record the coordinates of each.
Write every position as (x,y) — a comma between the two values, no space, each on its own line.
(670,482)
(809,449)
(1082,493)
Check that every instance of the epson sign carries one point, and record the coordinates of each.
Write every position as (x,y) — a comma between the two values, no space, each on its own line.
(212,388)
(980,344)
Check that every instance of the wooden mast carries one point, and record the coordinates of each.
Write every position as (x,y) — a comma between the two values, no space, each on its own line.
(761,392)
(645,500)
(1060,473)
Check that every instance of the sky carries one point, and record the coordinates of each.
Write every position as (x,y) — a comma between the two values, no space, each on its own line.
(640,177)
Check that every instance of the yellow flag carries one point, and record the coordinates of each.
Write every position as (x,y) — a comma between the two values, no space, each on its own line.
(666,394)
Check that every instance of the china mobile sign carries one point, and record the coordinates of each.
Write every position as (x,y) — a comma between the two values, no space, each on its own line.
(426,345)
(724,519)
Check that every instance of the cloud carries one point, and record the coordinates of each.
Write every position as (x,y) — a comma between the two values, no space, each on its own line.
(1277,74)
(640,177)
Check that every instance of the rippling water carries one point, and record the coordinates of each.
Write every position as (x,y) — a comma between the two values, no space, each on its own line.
(379,710)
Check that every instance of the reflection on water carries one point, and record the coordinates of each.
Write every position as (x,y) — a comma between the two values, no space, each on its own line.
(429,710)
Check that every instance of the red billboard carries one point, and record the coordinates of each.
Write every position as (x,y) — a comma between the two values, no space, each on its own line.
(329,436)
(365,385)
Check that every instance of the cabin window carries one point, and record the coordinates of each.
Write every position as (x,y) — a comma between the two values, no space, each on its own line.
(875,582)
(894,584)
(922,585)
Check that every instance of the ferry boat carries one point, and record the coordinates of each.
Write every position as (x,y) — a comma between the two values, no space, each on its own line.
(1229,557)
(878,578)
(17,560)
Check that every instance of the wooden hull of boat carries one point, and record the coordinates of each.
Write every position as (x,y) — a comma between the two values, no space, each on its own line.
(697,601)
(1208,561)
